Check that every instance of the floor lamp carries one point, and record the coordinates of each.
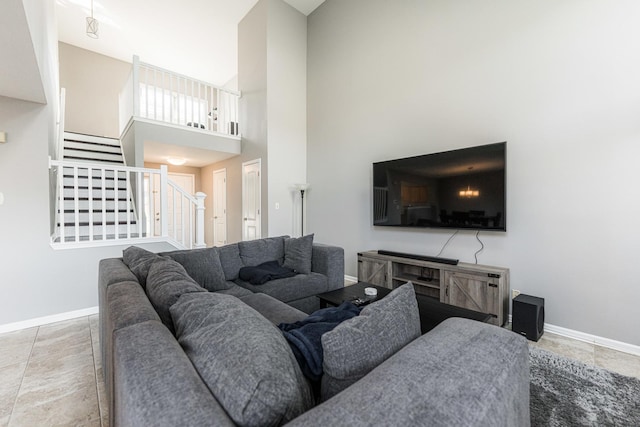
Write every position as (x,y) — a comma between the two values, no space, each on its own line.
(302,188)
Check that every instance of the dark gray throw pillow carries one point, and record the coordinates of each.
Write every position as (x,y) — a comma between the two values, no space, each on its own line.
(203,266)
(259,251)
(243,358)
(297,253)
(166,282)
(139,261)
(358,345)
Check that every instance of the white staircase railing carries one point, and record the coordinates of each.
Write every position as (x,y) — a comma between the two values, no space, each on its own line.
(158,94)
(101,204)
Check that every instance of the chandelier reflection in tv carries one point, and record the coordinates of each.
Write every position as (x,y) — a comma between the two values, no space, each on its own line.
(469,192)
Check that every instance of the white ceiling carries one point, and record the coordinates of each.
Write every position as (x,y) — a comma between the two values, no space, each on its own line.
(157,152)
(197,38)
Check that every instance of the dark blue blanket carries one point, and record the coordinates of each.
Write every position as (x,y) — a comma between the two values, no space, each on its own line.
(261,274)
(304,336)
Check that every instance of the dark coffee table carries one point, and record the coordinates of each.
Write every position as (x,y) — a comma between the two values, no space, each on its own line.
(432,311)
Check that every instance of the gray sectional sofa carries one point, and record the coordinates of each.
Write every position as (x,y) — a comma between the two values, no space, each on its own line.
(185,342)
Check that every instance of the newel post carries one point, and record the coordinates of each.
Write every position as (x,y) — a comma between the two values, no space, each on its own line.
(200,196)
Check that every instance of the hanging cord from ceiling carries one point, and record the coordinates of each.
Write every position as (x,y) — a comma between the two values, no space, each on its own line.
(481,246)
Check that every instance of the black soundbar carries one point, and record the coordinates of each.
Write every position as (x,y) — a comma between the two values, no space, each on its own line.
(449,261)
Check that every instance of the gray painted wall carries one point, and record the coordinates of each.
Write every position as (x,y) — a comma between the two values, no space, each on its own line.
(557,80)
(272,79)
(252,81)
(37,280)
(287,115)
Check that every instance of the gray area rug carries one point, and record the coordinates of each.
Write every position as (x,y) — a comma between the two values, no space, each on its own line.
(565,392)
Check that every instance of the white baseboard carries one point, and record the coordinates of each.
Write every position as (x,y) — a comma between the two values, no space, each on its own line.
(350,279)
(592,339)
(39,321)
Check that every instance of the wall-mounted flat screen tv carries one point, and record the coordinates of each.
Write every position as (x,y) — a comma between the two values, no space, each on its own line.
(459,189)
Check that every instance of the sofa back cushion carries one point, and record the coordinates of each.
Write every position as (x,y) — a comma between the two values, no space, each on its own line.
(203,266)
(256,252)
(231,261)
(167,280)
(139,261)
(243,358)
(358,345)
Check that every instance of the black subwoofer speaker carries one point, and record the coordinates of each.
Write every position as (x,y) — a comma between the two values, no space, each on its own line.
(527,316)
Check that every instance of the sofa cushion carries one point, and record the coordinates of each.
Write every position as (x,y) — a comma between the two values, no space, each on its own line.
(358,345)
(139,261)
(462,373)
(114,270)
(128,305)
(274,310)
(235,290)
(203,265)
(256,252)
(231,261)
(242,357)
(167,280)
(156,383)
(291,288)
(297,253)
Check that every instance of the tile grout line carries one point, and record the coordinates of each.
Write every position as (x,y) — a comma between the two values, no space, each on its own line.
(95,371)
(26,366)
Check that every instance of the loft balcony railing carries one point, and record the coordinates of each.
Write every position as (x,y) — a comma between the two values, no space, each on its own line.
(154,93)
(98,204)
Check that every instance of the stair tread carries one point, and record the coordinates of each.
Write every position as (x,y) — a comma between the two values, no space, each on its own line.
(93,160)
(86,211)
(97,223)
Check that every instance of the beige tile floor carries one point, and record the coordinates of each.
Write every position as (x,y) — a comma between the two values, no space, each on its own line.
(51,375)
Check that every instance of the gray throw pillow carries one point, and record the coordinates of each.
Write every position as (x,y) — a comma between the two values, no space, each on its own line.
(243,358)
(139,261)
(166,282)
(203,266)
(297,253)
(356,346)
(259,251)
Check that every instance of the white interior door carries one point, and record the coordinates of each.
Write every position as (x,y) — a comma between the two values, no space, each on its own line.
(187,183)
(251,196)
(220,207)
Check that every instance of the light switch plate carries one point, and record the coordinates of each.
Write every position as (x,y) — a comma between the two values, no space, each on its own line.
(3,137)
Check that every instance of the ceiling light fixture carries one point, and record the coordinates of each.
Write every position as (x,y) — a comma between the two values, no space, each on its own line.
(177,161)
(92,25)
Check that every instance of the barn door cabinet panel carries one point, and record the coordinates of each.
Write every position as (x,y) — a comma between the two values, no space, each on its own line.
(374,271)
(479,292)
